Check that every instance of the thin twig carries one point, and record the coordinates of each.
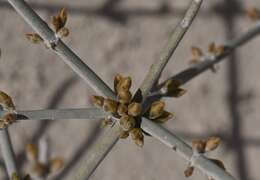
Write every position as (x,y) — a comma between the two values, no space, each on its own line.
(88,164)
(8,153)
(61,114)
(68,56)
(178,33)
(184,150)
(190,73)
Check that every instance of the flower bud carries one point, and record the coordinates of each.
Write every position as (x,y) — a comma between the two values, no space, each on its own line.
(156,109)
(124,96)
(98,101)
(31,152)
(63,32)
(164,117)
(124,134)
(134,109)
(198,145)
(34,38)
(6,101)
(110,105)
(196,52)
(56,165)
(127,122)
(137,136)
(189,171)
(122,109)
(212,143)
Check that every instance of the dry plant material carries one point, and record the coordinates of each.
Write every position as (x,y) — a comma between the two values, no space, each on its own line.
(253,13)
(16,177)
(201,146)
(171,88)
(128,112)
(7,104)
(56,165)
(34,38)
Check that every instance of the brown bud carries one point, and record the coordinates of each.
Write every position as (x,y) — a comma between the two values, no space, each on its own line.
(6,101)
(98,101)
(34,38)
(189,171)
(176,92)
(60,20)
(2,124)
(56,165)
(27,177)
(63,32)
(137,136)
(198,145)
(110,105)
(156,109)
(212,143)
(9,118)
(134,109)
(124,134)
(117,79)
(124,96)
(63,15)
(196,52)
(164,117)
(127,122)
(220,50)
(253,13)
(124,84)
(194,61)
(39,169)
(31,152)
(122,109)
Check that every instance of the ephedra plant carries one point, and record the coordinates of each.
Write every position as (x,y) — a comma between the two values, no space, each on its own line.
(125,114)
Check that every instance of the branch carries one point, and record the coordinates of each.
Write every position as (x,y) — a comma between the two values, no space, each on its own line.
(184,150)
(197,69)
(62,114)
(178,33)
(8,153)
(68,56)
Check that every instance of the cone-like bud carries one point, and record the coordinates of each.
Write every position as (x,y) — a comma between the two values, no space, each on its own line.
(134,109)
(124,134)
(34,38)
(212,143)
(117,79)
(127,122)
(31,152)
(122,109)
(63,32)
(9,118)
(137,136)
(98,101)
(56,165)
(164,117)
(110,105)
(198,145)
(196,52)
(6,101)
(189,171)
(124,96)
(156,109)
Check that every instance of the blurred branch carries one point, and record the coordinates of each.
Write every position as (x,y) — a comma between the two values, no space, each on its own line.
(178,33)
(8,153)
(206,64)
(53,114)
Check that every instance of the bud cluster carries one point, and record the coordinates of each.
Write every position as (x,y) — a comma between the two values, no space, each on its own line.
(128,111)
(201,146)
(7,104)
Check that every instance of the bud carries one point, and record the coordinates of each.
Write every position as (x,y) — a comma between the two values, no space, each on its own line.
(34,38)
(39,169)
(117,79)
(122,109)
(63,15)
(218,163)
(124,96)
(98,101)
(253,13)
(212,48)
(137,136)
(9,118)
(15,176)
(124,134)
(106,122)
(164,117)
(156,109)
(212,143)
(110,105)
(127,122)
(124,84)
(134,109)
(56,165)
(60,20)
(196,52)
(6,101)
(31,152)
(189,171)
(176,92)
(198,145)
(63,32)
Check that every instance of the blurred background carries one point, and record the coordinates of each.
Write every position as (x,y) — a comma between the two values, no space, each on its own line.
(126,36)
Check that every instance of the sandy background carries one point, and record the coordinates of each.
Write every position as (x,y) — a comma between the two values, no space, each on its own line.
(126,36)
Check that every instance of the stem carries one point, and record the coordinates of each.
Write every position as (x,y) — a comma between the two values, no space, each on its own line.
(68,56)
(54,114)
(8,153)
(178,33)
(190,73)
(184,150)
